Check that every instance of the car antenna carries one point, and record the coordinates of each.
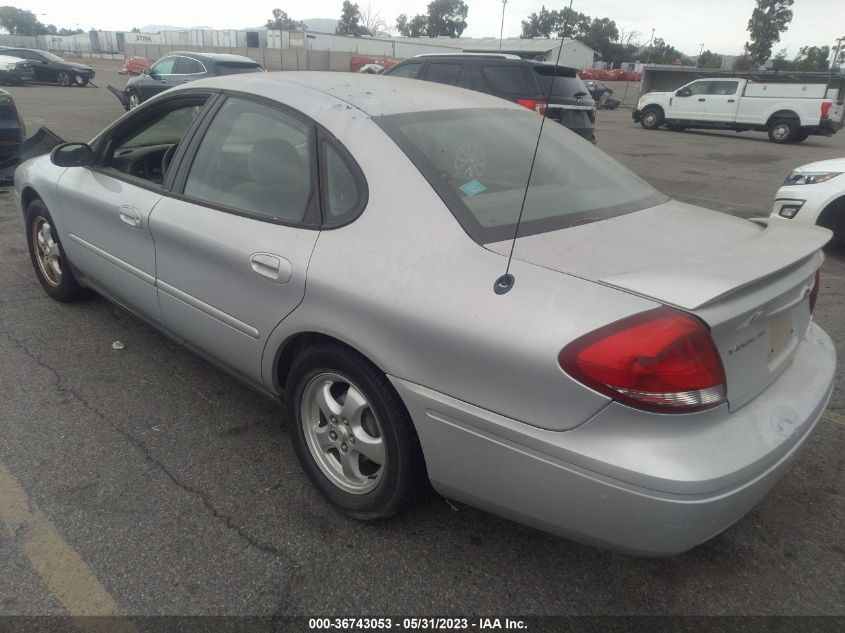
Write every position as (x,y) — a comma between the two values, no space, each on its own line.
(504,283)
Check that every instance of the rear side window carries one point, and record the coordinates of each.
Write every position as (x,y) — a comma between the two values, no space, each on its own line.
(234,68)
(405,70)
(187,66)
(255,159)
(723,87)
(345,195)
(506,79)
(450,74)
(565,87)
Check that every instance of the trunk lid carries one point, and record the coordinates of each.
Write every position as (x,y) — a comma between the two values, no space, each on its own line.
(749,281)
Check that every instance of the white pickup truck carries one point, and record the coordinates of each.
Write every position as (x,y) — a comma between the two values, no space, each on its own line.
(789,112)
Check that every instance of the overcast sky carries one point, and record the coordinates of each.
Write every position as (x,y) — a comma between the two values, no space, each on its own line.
(686,24)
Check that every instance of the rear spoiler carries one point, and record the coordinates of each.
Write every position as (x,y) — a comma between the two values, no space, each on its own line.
(694,284)
(121,96)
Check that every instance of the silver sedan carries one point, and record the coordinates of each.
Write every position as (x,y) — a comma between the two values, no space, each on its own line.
(640,378)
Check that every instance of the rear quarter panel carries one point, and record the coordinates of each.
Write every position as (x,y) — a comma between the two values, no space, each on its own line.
(405,286)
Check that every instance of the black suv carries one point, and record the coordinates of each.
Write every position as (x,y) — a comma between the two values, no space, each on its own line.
(509,77)
(50,68)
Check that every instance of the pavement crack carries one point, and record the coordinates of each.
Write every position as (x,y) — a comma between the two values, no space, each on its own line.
(65,389)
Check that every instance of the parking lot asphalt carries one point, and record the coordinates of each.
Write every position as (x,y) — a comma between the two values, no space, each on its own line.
(158,483)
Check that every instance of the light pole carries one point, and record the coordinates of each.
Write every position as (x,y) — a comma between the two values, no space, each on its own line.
(839,48)
(502,27)
(648,61)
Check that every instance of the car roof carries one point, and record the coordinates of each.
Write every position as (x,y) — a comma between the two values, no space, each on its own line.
(213,57)
(375,95)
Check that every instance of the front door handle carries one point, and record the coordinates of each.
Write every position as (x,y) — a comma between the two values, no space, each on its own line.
(272,267)
(702,99)
(130,215)
(731,100)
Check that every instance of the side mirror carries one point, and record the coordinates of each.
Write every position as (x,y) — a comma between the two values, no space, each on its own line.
(148,71)
(72,155)
(683,92)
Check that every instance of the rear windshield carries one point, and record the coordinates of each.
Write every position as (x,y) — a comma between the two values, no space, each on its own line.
(564,86)
(478,162)
(233,68)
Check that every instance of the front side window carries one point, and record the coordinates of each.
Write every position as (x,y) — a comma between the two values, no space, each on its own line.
(257,160)
(405,70)
(478,161)
(699,88)
(164,66)
(144,149)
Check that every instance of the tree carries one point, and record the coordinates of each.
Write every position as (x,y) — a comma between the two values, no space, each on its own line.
(415,27)
(372,21)
(600,36)
(20,22)
(709,60)
(663,53)
(282,22)
(813,58)
(447,18)
(769,19)
(350,18)
(539,24)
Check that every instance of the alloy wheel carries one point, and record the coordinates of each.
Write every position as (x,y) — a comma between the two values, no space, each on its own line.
(343,433)
(134,100)
(64,79)
(46,251)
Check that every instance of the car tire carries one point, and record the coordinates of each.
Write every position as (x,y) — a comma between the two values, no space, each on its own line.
(833,217)
(651,118)
(48,257)
(337,403)
(782,131)
(64,79)
(133,99)
(801,136)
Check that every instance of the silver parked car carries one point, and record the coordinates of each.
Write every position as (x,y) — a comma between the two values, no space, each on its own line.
(335,240)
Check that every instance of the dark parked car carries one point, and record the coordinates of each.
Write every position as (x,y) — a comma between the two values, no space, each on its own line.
(509,77)
(602,94)
(12,134)
(178,68)
(14,70)
(50,68)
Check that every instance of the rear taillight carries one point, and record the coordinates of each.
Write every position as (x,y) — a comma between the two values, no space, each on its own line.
(826,109)
(661,360)
(814,293)
(532,104)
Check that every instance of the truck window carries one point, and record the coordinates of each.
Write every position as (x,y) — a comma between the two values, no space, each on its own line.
(699,87)
(723,87)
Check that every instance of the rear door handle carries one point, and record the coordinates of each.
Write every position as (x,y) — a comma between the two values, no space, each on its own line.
(272,267)
(731,100)
(130,215)
(702,99)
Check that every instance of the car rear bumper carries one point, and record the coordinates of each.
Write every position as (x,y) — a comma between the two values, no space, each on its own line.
(18,75)
(630,481)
